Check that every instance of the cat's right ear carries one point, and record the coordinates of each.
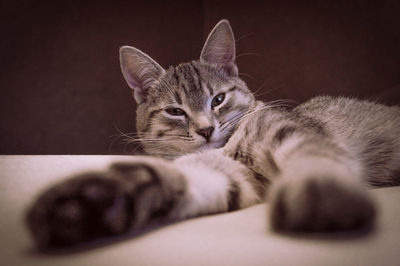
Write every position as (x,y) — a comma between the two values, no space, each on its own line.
(140,71)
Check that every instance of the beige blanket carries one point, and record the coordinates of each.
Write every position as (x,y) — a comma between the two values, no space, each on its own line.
(238,238)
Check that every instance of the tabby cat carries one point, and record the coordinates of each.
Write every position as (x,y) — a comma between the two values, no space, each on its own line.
(213,148)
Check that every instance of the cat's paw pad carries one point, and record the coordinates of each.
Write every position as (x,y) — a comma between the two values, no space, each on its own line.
(319,205)
(79,210)
(95,205)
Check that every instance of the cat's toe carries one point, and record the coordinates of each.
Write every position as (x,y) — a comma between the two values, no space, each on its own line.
(319,205)
(78,210)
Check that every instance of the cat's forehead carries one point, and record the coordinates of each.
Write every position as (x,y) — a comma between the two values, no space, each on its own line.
(192,83)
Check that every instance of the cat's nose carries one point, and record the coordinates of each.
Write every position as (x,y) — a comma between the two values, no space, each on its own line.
(205,132)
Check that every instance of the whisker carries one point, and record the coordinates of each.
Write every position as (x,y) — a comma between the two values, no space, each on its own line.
(282,102)
(266,92)
(235,116)
(259,88)
(231,122)
(115,137)
(244,36)
(246,54)
(246,75)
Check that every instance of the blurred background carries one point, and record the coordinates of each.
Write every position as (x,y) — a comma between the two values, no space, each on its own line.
(61,87)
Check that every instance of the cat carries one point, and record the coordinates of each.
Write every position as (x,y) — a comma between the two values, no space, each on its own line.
(213,148)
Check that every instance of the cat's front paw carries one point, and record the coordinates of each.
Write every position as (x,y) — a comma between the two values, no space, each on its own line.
(101,204)
(80,209)
(319,204)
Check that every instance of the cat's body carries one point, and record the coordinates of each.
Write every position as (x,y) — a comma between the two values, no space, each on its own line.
(360,134)
(229,152)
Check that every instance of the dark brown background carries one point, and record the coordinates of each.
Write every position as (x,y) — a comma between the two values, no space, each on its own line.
(61,87)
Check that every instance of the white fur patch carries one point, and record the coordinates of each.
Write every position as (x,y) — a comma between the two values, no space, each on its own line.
(207,188)
(209,176)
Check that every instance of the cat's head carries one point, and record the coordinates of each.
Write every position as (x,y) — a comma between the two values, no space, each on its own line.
(192,106)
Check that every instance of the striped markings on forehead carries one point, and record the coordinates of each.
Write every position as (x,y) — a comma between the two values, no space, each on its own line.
(189,87)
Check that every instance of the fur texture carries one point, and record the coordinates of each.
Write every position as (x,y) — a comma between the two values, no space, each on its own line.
(228,152)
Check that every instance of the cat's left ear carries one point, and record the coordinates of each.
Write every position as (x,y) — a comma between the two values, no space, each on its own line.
(220,47)
(140,71)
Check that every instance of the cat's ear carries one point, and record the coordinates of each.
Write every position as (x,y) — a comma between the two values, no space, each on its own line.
(139,70)
(220,47)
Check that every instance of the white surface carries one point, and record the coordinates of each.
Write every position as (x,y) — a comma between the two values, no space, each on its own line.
(238,238)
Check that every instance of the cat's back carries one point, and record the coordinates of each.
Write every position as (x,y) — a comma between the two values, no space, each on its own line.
(342,114)
(370,131)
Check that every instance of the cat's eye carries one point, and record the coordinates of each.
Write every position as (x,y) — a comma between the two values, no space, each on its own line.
(217,100)
(175,111)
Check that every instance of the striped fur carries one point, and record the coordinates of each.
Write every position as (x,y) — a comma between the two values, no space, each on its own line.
(229,152)
(191,87)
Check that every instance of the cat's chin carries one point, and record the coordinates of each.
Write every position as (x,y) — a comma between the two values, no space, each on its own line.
(212,145)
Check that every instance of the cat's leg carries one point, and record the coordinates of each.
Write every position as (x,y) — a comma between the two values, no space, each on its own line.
(217,183)
(92,205)
(133,194)
(319,188)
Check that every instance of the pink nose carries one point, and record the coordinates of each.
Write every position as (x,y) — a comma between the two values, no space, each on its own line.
(205,132)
